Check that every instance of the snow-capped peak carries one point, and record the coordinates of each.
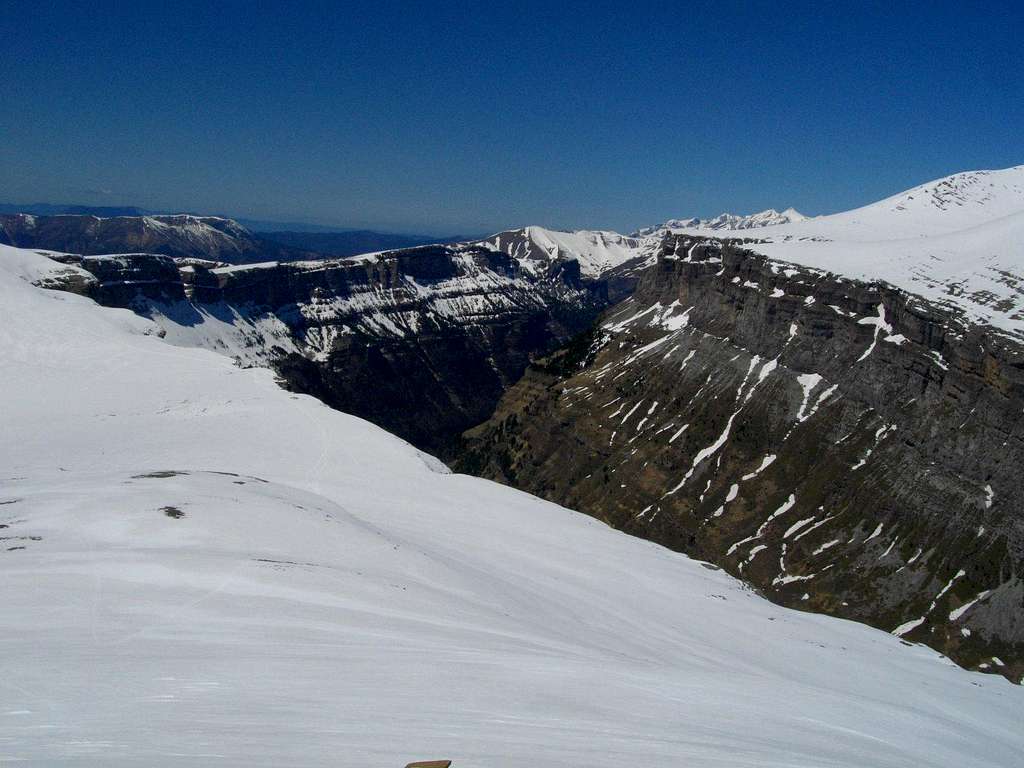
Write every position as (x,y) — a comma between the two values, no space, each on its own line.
(728,221)
(958,241)
(953,202)
(596,251)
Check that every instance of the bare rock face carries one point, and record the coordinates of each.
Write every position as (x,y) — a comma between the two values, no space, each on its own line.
(844,446)
(421,341)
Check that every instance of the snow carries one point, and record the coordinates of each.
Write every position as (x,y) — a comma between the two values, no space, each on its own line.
(797,526)
(876,533)
(880,326)
(807,381)
(903,629)
(631,412)
(786,506)
(343,600)
(825,546)
(958,241)
(729,221)
(959,575)
(596,251)
(248,340)
(814,527)
(678,432)
(765,463)
(955,614)
(621,325)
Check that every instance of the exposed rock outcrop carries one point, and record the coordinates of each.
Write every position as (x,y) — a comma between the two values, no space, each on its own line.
(422,341)
(844,446)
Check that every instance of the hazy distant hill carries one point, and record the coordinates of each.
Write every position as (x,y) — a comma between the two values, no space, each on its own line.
(352,242)
(180,235)
(319,238)
(50,209)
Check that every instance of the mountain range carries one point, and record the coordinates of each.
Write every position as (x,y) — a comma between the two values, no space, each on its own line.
(308,238)
(728,221)
(795,445)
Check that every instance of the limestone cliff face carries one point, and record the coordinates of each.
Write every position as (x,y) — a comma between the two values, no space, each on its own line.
(844,446)
(422,341)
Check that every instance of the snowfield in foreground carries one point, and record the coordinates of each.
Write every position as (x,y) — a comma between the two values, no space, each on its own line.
(200,568)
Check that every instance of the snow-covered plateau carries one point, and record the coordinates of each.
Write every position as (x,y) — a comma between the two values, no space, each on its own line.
(958,241)
(200,568)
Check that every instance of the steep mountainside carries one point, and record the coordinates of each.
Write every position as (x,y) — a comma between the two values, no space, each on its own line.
(874,391)
(422,341)
(183,235)
(201,569)
(843,445)
(608,256)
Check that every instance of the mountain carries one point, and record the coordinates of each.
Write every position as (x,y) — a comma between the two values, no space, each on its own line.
(903,352)
(183,235)
(613,259)
(596,252)
(203,567)
(956,241)
(50,209)
(842,429)
(422,341)
(260,227)
(728,221)
(352,242)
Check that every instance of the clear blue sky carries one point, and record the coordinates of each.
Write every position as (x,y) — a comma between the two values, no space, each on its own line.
(465,117)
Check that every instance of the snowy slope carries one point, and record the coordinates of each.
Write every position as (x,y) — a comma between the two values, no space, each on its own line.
(958,241)
(535,248)
(340,600)
(730,221)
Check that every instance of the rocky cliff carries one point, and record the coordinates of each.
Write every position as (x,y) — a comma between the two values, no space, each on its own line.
(422,341)
(844,446)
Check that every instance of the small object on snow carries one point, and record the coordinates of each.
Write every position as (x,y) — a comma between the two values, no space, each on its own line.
(430,764)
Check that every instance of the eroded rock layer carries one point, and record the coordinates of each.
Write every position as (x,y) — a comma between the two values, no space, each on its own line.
(421,341)
(844,446)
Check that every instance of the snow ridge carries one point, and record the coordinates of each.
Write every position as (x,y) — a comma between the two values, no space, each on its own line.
(728,221)
(536,249)
(957,241)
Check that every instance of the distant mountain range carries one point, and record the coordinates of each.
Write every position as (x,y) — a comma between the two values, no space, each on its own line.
(181,235)
(319,238)
(353,242)
(729,221)
(92,231)
(50,209)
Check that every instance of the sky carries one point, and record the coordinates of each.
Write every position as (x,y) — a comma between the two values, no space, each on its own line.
(445,118)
